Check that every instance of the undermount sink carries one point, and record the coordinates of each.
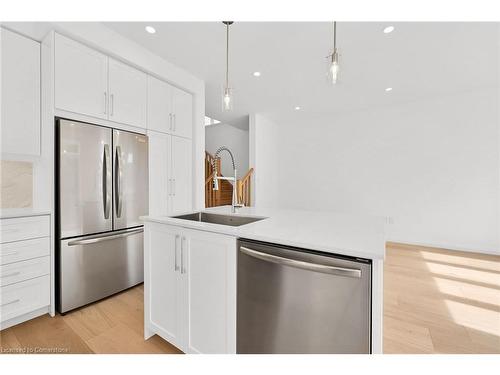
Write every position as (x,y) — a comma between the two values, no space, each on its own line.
(231,220)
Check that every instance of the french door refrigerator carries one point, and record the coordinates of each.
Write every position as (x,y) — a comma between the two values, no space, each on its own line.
(101,190)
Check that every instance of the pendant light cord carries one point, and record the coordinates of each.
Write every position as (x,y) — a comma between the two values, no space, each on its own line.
(334,35)
(227,55)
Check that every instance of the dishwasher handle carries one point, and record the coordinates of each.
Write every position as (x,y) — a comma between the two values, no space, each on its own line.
(333,270)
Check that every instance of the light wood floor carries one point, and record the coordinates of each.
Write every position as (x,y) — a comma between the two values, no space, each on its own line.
(440,301)
(113,325)
(435,301)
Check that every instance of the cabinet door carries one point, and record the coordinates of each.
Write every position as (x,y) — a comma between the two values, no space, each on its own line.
(20,94)
(162,282)
(127,94)
(209,287)
(159,105)
(160,148)
(80,78)
(182,104)
(181,174)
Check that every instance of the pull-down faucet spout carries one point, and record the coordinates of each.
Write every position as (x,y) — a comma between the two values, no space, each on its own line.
(235,203)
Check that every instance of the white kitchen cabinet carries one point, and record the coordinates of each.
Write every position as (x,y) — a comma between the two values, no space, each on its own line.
(194,305)
(170,110)
(210,288)
(20,94)
(90,83)
(170,174)
(81,78)
(182,112)
(162,280)
(127,94)
(25,269)
(159,105)
(160,165)
(181,184)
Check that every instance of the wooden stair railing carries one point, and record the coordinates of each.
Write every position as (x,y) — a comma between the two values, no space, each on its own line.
(244,188)
(223,196)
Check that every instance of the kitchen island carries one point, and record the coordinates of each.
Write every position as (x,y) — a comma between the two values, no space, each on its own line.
(191,267)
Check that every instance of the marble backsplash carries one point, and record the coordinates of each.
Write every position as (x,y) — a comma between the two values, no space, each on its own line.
(16,184)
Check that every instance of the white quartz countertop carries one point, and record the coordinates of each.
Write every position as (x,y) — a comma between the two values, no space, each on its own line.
(345,234)
(7,213)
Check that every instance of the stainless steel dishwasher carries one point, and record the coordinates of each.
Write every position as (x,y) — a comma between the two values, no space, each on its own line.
(298,301)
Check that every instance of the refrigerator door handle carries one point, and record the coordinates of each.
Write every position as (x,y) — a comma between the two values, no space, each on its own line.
(106,182)
(105,237)
(118,182)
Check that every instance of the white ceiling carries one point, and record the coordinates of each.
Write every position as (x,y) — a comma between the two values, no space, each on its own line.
(418,60)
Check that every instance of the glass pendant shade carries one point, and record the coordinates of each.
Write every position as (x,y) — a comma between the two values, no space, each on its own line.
(227,99)
(333,68)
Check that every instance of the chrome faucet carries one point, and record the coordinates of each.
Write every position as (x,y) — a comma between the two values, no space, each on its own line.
(235,203)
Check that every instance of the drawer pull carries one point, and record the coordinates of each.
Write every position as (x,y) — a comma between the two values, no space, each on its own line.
(10,303)
(10,230)
(11,253)
(11,274)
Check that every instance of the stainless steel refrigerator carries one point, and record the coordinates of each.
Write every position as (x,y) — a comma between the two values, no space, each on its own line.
(101,190)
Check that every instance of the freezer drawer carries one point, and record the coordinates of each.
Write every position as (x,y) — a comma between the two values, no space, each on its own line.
(94,267)
(296,301)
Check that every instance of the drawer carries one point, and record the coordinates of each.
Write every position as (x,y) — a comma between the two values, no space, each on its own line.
(24,228)
(20,271)
(22,250)
(24,297)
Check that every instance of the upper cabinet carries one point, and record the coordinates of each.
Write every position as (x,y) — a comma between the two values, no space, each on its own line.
(81,78)
(159,106)
(127,94)
(182,108)
(90,83)
(170,110)
(20,94)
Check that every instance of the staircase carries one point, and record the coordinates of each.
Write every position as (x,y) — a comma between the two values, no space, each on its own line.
(224,196)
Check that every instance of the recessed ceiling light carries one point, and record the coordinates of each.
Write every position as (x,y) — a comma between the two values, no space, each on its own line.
(297,108)
(388,29)
(256,74)
(388,89)
(150,29)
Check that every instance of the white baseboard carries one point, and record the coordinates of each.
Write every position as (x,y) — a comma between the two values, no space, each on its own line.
(23,318)
(445,246)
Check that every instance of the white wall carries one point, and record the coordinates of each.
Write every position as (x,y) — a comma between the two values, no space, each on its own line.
(233,138)
(432,166)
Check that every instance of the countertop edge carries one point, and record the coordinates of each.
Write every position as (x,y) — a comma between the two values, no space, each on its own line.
(234,232)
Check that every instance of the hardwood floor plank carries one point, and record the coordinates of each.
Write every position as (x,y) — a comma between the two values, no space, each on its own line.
(88,322)
(454,295)
(49,335)
(124,340)
(8,341)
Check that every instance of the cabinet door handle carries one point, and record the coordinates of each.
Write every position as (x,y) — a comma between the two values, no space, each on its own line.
(176,265)
(105,101)
(175,122)
(183,268)
(170,121)
(173,186)
(112,109)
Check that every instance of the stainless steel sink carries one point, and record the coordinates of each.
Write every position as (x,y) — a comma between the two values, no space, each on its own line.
(232,220)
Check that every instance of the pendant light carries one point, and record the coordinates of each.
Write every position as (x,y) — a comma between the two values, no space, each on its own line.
(333,59)
(227,92)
